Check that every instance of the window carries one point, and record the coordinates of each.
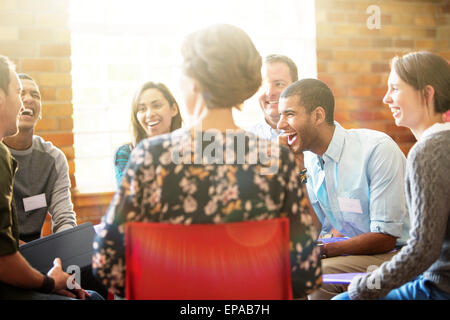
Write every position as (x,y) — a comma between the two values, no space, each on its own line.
(117,46)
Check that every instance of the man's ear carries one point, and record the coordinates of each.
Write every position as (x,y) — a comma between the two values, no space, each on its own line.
(318,115)
(193,85)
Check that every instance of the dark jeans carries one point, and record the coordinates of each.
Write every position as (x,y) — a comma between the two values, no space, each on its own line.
(89,282)
(417,289)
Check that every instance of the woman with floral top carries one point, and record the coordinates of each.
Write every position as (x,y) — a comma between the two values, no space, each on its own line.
(212,172)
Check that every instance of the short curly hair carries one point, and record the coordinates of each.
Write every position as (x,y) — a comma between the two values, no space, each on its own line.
(293,71)
(224,61)
(312,93)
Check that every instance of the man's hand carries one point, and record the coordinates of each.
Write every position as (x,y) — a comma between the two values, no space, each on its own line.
(61,282)
(336,234)
(333,234)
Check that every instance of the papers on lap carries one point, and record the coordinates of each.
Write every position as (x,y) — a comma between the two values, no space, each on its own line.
(330,240)
(340,278)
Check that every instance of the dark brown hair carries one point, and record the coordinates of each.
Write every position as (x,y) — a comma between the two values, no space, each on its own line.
(312,93)
(25,76)
(137,131)
(224,61)
(419,69)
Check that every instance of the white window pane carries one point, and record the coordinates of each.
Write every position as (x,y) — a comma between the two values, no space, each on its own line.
(95,174)
(116,47)
(91,145)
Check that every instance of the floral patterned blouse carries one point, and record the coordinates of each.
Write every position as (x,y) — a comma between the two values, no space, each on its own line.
(166,181)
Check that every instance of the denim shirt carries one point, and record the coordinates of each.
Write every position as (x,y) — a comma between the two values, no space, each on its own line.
(358,185)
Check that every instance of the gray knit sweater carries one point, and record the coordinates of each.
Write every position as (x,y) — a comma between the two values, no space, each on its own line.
(42,170)
(427,193)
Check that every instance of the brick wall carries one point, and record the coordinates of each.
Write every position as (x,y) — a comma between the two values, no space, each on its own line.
(36,36)
(354,60)
(443,29)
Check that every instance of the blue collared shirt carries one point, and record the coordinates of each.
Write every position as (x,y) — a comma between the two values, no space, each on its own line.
(263,130)
(357,186)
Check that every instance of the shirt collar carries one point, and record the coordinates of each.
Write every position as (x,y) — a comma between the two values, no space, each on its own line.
(25,152)
(274,133)
(437,127)
(334,150)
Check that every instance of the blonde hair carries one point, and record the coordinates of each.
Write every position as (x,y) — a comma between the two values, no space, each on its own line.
(224,61)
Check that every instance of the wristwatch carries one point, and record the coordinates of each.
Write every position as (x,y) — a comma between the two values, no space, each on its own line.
(48,285)
(323,250)
(302,176)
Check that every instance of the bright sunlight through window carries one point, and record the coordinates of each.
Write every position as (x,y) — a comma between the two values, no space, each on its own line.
(118,45)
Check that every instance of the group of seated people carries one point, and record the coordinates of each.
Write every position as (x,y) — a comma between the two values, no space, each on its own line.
(391,212)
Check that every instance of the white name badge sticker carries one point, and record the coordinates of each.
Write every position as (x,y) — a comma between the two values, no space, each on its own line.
(350,205)
(34,202)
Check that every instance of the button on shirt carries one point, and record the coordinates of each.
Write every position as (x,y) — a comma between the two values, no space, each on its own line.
(358,185)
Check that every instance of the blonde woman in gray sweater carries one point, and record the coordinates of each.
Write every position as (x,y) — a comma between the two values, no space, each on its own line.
(418,96)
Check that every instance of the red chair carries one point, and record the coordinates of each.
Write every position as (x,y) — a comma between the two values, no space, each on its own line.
(243,260)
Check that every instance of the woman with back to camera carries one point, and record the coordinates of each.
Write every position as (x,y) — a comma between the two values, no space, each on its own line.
(418,96)
(154,111)
(221,69)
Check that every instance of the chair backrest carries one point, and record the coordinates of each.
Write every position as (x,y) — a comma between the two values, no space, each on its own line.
(242,260)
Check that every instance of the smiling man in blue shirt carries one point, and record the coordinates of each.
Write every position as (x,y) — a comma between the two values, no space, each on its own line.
(354,179)
(279,71)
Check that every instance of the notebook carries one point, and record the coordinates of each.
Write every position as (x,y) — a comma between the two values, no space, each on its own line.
(72,246)
(331,240)
(340,278)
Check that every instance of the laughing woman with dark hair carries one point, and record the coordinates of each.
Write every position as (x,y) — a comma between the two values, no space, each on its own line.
(154,111)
